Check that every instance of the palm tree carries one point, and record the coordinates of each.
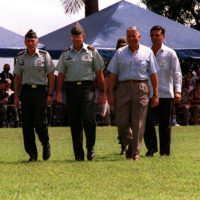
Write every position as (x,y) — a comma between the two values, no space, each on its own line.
(73,6)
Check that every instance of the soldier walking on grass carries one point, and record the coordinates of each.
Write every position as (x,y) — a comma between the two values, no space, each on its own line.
(79,66)
(32,68)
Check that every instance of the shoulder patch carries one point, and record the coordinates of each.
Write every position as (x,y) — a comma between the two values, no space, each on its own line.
(42,51)
(68,49)
(91,48)
(20,53)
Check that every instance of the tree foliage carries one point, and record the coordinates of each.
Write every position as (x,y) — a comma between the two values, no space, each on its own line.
(184,11)
(73,6)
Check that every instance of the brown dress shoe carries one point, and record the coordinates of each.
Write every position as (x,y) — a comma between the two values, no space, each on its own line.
(137,157)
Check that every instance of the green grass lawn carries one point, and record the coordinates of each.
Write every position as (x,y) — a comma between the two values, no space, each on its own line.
(109,176)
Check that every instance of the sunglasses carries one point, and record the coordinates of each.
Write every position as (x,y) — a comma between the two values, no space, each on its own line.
(156,35)
(76,37)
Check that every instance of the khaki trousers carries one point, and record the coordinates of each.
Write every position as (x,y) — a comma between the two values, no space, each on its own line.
(131,109)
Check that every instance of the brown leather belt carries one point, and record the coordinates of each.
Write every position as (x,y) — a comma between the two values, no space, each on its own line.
(133,81)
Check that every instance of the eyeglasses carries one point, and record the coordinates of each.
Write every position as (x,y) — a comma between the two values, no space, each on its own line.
(156,35)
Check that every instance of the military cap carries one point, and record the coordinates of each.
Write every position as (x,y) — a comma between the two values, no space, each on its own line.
(77,29)
(121,42)
(31,34)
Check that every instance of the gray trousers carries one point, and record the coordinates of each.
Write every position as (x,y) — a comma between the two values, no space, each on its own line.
(131,109)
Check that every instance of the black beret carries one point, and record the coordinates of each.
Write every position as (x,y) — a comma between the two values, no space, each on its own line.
(121,42)
(31,34)
(77,29)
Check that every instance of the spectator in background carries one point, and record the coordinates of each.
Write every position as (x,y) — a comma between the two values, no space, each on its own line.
(3,101)
(188,75)
(195,78)
(182,107)
(6,74)
(102,111)
(195,104)
(11,109)
(187,83)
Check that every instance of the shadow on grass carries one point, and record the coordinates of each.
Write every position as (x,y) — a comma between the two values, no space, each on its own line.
(38,161)
(97,159)
(16,162)
(109,157)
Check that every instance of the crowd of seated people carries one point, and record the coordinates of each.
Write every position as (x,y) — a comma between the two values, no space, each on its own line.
(9,115)
(182,108)
(186,112)
(8,112)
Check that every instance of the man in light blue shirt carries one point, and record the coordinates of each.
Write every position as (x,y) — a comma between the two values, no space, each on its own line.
(132,65)
(169,90)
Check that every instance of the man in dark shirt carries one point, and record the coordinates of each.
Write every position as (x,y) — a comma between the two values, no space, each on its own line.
(3,100)
(5,74)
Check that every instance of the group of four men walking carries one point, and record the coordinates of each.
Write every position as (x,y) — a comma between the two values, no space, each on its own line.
(80,66)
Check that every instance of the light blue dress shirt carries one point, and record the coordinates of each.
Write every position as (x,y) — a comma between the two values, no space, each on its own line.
(169,73)
(129,66)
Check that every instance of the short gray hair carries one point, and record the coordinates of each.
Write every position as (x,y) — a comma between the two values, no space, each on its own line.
(134,28)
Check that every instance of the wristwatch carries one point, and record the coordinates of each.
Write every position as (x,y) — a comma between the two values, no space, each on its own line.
(155,95)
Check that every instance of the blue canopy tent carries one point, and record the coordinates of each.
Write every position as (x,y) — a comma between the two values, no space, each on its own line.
(11,43)
(106,26)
